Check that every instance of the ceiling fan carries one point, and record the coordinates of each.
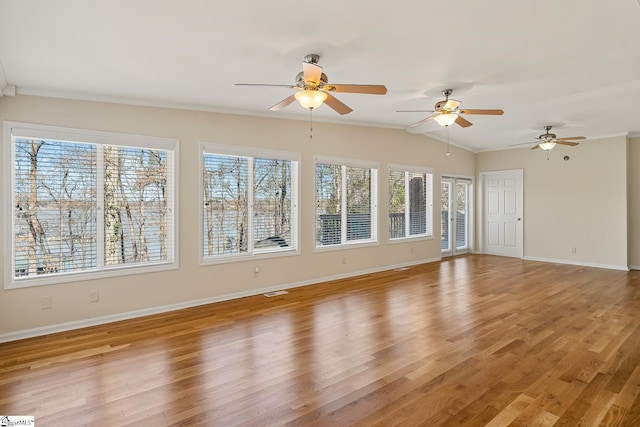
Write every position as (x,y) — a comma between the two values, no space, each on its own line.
(446,112)
(313,88)
(547,140)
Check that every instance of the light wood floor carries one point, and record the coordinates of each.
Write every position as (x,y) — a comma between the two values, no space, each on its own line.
(474,341)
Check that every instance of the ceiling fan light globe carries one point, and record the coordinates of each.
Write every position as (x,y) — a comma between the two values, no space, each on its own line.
(547,145)
(310,99)
(446,119)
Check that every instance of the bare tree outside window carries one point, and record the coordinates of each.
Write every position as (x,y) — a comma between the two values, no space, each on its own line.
(59,193)
(135,205)
(344,196)
(248,204)
(55,206)
(410,210)
(272,203)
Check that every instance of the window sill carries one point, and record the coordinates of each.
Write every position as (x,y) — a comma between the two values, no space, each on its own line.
(225,259)
(43,280)
(343,246)
(409,239)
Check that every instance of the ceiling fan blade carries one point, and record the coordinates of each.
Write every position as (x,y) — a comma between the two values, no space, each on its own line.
(422,121)
(415,111)
(522,143)
(312,73)
(573,138)
(572,144)
(263,84)
(451,104)
(368,89)
(463,122)
(337,105)
(535,146)
(487,112)
(280,105)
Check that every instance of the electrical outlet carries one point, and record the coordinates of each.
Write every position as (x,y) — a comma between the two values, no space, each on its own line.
(45,303)
(256,270)
(94,296)
(573,250)
(344,259)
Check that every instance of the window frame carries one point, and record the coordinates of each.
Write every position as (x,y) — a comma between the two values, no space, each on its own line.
(374,189)
(251,153)
(407,169)
(13,130)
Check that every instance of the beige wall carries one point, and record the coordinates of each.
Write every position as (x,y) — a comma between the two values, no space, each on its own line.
(633,150)
(20,308)
(579,203)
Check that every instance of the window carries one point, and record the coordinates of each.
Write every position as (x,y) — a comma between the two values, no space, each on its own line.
(410,202)
(87,204)
(249,202)
(346,202)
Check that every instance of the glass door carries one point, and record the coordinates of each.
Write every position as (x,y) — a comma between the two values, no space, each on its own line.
(456,215)
(445,233)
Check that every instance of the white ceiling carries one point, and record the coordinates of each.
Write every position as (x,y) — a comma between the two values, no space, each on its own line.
(574,64)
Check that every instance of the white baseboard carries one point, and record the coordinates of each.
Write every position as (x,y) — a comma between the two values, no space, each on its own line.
(634,267)
(580,263)
(84,323)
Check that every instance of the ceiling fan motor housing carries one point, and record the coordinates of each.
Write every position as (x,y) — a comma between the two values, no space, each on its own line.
(302,84)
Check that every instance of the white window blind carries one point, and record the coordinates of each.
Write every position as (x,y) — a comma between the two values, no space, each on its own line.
(55,211)
(226,204)
(136,208)
(410,202)
(250,202)
(346,201)
(87,207)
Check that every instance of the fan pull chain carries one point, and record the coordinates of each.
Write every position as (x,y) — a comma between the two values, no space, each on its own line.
(448,152)
(310,123)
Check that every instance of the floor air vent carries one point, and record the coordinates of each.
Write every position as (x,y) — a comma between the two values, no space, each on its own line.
(275,293)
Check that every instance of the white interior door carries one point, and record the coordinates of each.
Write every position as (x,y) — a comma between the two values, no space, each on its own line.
(503,203)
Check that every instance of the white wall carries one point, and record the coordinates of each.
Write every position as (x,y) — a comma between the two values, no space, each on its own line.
(579,203)
(20,308)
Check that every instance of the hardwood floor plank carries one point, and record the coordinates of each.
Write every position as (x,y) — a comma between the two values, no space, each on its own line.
(472,341)
(614,416)
(630,391)
(511,411)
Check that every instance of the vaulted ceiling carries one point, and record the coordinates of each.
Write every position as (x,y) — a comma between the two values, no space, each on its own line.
(573,64)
